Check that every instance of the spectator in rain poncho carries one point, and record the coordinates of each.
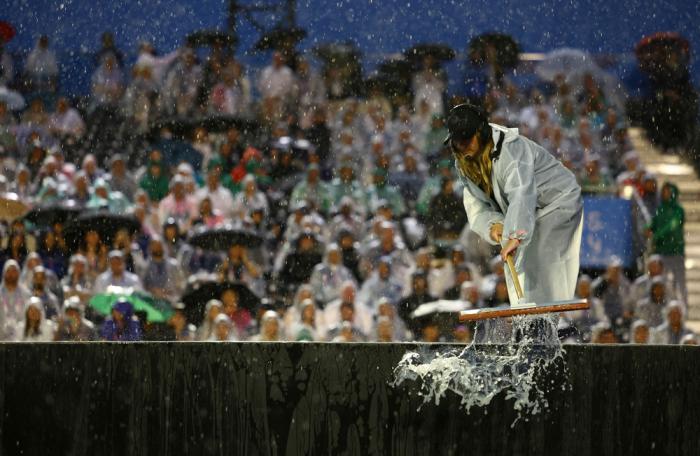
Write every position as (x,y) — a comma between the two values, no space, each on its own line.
(299,264)
(178,204)
(72,326)
(642,285)
(34,326)
(639,332)
(162,276)
(155,181)
(384,330)
(429,86)
(212,309)
(122,326)
(306,328)
(26,278)
(181,85)
(103,198)
(346,219)
(667,233)
(651,308)
(116,275)
(420,294)
(269,328)
(613,289)
(276,81)
(77,282)
(389,244)
(362,314)
(387,311)
(380,190)
(446,219)
(312,190)
(673,330)
(220,197)
(107,83)
(119,178)
(327,277)
(248,199)
(40,289)
(382,283)
(13,296)
(239,316)
(178,327)
(41,66)
(237,266)
(231,96)
(66,121)
(596,180)
(584,320)
(408,177)
(345,185)
(224,330)
(52,255)
(346,329)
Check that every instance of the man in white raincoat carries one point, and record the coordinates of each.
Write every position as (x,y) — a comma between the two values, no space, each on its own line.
(518,196)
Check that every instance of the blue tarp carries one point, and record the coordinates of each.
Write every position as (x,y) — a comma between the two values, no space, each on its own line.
(607,232)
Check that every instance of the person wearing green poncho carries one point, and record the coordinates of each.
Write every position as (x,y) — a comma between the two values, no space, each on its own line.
(666,232)
(381,190)
(312,190)
(103,198)
(432,185)
(155,182)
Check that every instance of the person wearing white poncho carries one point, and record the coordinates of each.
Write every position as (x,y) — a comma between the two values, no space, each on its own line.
(518,196)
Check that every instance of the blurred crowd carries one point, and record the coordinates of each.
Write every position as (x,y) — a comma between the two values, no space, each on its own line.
(343,213)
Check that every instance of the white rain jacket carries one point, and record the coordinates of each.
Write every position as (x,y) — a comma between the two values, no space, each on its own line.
(539,202)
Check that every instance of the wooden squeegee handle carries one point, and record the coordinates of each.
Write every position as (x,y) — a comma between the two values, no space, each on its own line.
(514,275)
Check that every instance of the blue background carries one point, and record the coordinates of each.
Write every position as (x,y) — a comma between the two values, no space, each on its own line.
(377,27)
(607,231)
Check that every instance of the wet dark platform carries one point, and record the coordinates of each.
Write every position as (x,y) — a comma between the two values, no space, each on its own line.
(290,399)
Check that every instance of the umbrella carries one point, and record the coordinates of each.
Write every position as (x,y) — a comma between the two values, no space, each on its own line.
(204,38)
(337,53)
(438,51)
(105,223)
(280,38)
(13,100)
(157,310)
(7,32)
(224,237)
(507,49)
(197,295)
(667,40)
(184,126)
(11,207)
(56,213)
(571,63)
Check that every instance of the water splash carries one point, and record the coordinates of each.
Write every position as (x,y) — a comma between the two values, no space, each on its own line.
(507,356)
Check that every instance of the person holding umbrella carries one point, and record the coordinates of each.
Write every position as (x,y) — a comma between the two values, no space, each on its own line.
(518,196)
(123,325)
(238,267)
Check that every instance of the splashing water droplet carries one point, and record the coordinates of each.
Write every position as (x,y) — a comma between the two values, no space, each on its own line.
(481,371)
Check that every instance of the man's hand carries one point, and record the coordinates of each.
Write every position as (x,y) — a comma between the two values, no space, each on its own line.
(496,232)
(509,248)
